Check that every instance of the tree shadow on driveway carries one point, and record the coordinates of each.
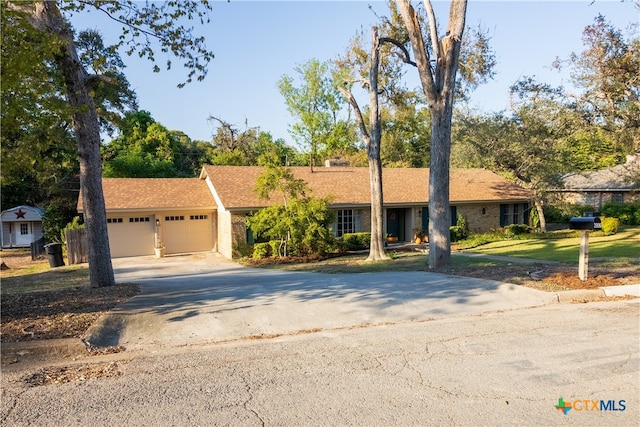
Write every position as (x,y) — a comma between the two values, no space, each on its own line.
(225,302)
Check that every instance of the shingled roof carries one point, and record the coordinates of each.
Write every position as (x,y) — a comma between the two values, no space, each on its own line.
(155,193)
(234,185)
(616,178)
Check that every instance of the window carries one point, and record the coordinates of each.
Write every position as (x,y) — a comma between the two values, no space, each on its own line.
(348,221)
(513,214)
(140,219)
(617,197)
(591,199)
(24,229)
(174,218)
(197,217)
(114,220)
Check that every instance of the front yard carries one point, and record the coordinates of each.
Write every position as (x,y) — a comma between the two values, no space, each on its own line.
(43,303)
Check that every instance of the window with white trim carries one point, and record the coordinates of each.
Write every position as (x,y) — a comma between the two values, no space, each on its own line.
(348,221)
(24,229)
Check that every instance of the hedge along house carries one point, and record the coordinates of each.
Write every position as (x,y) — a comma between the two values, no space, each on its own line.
(144,213)
(21,226)
(485,199)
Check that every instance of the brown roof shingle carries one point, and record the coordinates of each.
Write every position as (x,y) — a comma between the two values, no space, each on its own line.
(155,193)
(235,185)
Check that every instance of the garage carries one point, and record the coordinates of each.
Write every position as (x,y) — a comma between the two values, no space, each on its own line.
(131,235)
(177,213)
(187,232)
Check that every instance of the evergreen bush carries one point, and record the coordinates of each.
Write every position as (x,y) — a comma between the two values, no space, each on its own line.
(356,241)
(609,225)
(261,250)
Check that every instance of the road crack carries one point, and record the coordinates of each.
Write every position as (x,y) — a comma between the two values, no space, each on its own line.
(245,404)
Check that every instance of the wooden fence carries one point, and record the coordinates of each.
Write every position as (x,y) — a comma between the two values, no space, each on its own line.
(76,246)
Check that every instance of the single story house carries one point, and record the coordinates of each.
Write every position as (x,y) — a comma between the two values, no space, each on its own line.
(21,226)
(209,212)
(619,184)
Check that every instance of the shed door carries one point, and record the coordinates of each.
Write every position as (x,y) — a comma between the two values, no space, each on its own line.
(23,233)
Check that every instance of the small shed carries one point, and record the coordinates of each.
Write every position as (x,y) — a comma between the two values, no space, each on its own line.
(21,226)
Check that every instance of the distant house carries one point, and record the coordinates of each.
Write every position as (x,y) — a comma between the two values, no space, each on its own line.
(21,226)
(615,184)
(209,212)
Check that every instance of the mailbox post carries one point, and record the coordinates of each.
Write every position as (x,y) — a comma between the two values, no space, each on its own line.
(585,225)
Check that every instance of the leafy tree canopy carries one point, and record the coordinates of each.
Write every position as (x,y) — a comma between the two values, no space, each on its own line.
(319,108)
(302,223)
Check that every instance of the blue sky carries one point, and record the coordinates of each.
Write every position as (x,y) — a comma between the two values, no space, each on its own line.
(257,42)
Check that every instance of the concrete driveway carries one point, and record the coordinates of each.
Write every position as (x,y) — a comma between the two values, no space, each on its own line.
(204,298)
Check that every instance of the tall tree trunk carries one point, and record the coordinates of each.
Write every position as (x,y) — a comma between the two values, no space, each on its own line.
(47,18)
(376,250)
(439,210)
(437,76)
(371,138)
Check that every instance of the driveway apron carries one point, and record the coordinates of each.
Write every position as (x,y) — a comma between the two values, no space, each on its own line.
(203,298)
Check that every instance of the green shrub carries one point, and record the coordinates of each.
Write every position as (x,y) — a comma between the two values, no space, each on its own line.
(275,246)
(242,250)
(461,222)
(534,218)
(609,225)
(516,230)
(457,233)
(356,241)
(562,212)
(460,231)
(261,250)
(627,213)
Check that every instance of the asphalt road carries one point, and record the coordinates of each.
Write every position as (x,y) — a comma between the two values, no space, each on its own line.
(498,368)
(212,343)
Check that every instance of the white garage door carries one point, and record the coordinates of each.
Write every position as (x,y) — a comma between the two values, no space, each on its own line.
(131,236)
(187,233)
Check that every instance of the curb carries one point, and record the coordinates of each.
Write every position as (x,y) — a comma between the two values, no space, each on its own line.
(43,350)
(598,294)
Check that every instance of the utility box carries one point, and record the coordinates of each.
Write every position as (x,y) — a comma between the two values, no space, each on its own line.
(585,223)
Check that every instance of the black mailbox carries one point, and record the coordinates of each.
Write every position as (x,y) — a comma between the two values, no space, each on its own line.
(585,223)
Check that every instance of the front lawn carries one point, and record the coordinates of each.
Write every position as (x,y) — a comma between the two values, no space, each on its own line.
(624,244)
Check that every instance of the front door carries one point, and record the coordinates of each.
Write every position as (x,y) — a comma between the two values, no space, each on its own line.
(395,223)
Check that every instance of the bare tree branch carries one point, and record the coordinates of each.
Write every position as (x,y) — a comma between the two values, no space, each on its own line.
(433,29)
(406,58)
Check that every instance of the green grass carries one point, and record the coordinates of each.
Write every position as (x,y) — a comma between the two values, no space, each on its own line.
(562,246)
(624,244)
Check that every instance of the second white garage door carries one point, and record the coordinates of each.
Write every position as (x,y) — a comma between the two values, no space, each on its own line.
(187,233)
